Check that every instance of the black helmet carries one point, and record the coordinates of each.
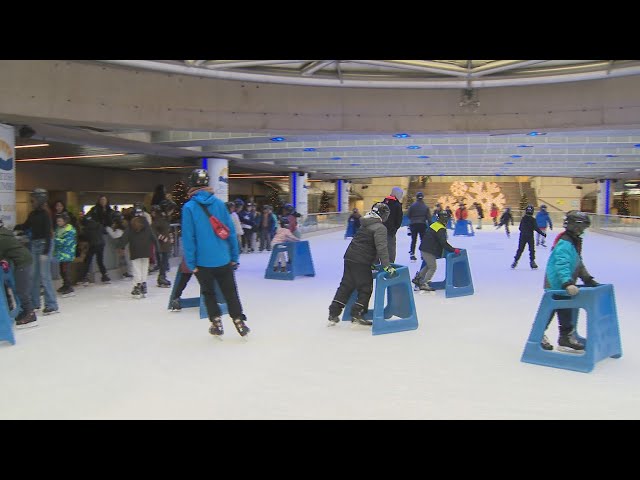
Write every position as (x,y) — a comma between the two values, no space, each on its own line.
(288,208)
(64,216)
(284,222)
(382,210)
(528,210)
(156,209)
(576,221)
(443,217)
(419,195)
(230,205)
(239,202)
(167,205)
(199,178)
(40,195)
(543,207)
(137,210)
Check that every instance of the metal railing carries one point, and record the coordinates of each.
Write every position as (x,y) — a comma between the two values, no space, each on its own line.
(323,221)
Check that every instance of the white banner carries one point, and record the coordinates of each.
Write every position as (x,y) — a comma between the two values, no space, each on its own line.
(7,176)
(300,192)
(219,177)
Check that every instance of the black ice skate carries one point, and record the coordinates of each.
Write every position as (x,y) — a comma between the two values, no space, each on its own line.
(175,305)
(425,287)
(514,264)
(333,320)
(49,311)
(533,265)
(570,343)
(143,289)
(137,291)
(67,292)
(545,343)
(216,328)
(105,278)
(241,327)
(413,258)
(357,316)
(85,282)
(27,321)
(163,282)
(127,275)
(416,282)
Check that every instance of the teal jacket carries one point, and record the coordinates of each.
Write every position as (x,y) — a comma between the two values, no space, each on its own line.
(65,243)
(565,263)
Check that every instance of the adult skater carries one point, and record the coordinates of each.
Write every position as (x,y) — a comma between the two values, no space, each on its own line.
(394,221)
(480,214)
(527,226)
(494,214)
(505,219)
(543,219)
(419,219)
(369,245)
(211,250)
(432,247)
(564,266)
(41,227)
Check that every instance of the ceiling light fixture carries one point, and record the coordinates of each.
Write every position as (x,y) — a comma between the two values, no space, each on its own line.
(402,135)
(423,156)
(70,158)
(612,156)
(516,156)
(277,139)
(309,149)
(336,158)
(414,147)
(525,146)
(32,146)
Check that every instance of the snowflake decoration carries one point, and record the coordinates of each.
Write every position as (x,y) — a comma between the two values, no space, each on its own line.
(445,200)
(486,193)
(458,189)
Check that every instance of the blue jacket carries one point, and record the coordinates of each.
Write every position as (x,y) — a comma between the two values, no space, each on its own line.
(202,247)
(565,263)
(543,219)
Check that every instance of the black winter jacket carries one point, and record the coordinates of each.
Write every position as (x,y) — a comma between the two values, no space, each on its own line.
(419,213)
(506,218)
(394,222)
(139,241)
(370,242)
(528,225)
(435,240)
(39,222)
(92,231)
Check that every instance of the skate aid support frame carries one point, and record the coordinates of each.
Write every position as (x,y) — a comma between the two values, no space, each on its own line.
(197,301)
(458,281)
(7,316)
(603,331)
(300,261)
(400,303)
(463,228)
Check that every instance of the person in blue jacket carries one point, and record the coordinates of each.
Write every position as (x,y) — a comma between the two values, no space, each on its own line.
(543,219)
(209,256)
(563,268)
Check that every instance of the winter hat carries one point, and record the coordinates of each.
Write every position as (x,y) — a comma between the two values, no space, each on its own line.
(398,193)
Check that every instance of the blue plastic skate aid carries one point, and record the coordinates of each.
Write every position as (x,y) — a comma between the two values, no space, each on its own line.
(6,315)
(398,292)
(463,227)
(458,281)
(603,331)
(300,261)
(450,224)
(196,301)
(405,221)
(351,229)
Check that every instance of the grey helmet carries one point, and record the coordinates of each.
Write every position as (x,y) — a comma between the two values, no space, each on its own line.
(198,178)
(576,221)
(382,210)
(40,195)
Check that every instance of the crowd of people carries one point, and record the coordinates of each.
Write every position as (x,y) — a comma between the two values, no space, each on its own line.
(215,233)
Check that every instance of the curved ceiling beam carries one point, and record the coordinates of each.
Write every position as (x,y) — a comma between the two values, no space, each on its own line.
(418,65)
(222,64)
(501,66)
(313,67)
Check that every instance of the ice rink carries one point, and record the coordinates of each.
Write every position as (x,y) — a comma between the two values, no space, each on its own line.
(108,356)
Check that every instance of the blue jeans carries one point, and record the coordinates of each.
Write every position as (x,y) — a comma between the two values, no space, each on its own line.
(42,276)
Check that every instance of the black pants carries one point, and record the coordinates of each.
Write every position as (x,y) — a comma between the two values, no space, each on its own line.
(265,239)
(22,276)
(98,251)
(163,263)
(564,319)
(65,273)
(417,229)
(521,244)
(225,278)
(356,276)
(182,284)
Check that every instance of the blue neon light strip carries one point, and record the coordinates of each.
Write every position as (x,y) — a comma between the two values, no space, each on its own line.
(339,185)
(607,196)
(294,189)
(204,163)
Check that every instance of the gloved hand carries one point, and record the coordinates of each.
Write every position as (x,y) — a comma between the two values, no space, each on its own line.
(456,251)
(5,266)
(374,267)
(544,235)
(391,271)
(590,282)
(572,290)
(234,265)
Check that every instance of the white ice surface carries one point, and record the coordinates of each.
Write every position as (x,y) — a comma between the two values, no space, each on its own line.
(108,356)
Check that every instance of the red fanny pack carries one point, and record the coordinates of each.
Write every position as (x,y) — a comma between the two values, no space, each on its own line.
(219,228)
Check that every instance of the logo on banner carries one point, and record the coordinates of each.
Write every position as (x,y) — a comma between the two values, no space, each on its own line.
(223,176)
(305,184)
(6,156)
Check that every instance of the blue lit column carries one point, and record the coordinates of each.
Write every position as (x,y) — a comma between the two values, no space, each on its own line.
(218,169)
(605,197)
(299,188)
(7,176)
(342,195)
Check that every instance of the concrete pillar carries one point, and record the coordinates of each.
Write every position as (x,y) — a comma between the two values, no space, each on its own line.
(342,195)
(604,200)
(299,188)
(218,169)
(7,176)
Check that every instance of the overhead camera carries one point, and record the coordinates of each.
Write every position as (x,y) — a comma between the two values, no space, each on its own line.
(26,132)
